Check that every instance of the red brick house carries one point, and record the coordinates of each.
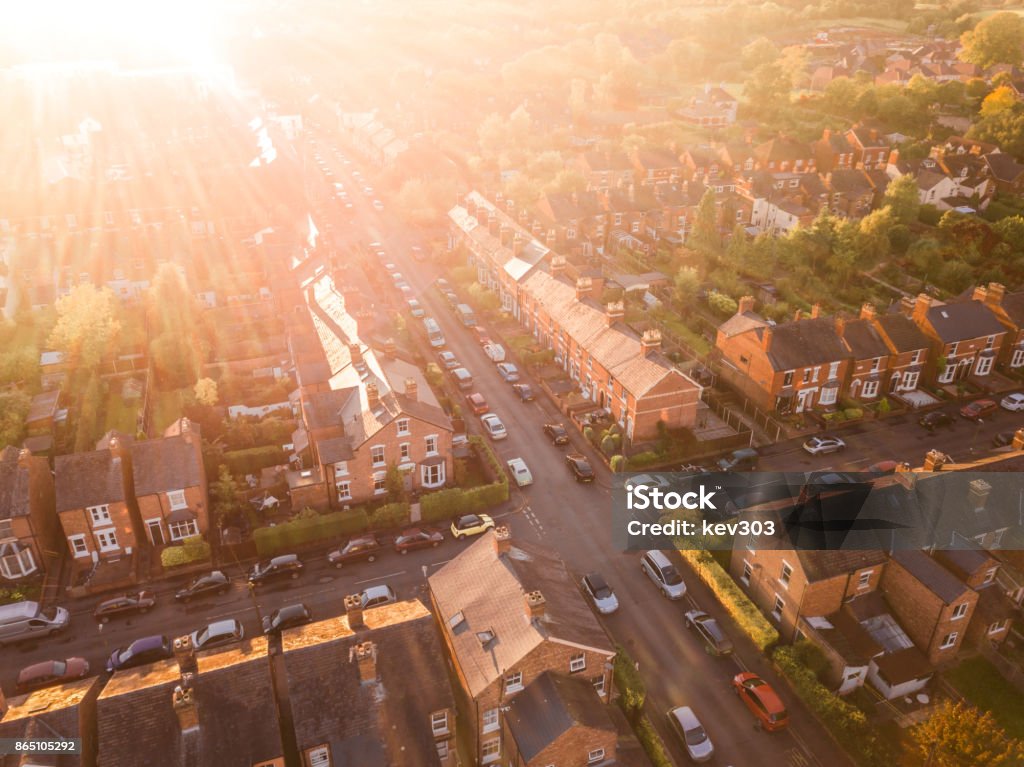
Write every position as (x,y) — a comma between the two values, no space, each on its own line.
(871,358)
(967,337)
(1009,310)
(870,149)
(657,166)
(995,612)
(785,154)
(606,170)
(30,534)
(833,152)
(908,348)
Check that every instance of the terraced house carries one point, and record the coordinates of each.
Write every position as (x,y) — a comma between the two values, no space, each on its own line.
(29,531)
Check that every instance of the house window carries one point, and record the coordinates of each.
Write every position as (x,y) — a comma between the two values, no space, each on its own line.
(787,574)
(431,444)
(864,579)
(984,366)
(990,342)
(344,490)
(439,723)
(318,757)
(181,530)
(829,395)
(952,348)
(918,356)
(747,572)
(377,455)
(490,750)
(599,685)
(807,376)
(960,611)
(787,378)
(432,476)
(17,563)
(990,574)
(596,755)
(403,451)
(1017,359)
(100,514)
(341,468)
(107,540)
(618,219)
(875,366)
(577,662)
(996,627)
(79,548)
(635,227)
(777,608)
(442,749)
(403,426)
(949,640)
(513,682)
(490,720)
(817,371)
(177,499)
(870,389)
(947,373)
(910,381)
(6,529)
(380,481)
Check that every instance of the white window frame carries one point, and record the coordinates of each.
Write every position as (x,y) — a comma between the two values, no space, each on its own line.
(439,723)
(6,529)
(949,640)
(404,452)
(176,499)
(380,482)
(748,572)
(430,444)
(490,750)
(179,531)
(100,515)
(947,373)
(984,366)
(23,559)
(909,382)
(960,611)
(864,579)
(870,389)
(786,574)
(432,475)
(513,682)
(490,722)
(341,468)
(402,425)
(777,607)
(101,535)
(595,755)
(442,750)
(577,662)
(320,756)
(996,628)
(377,457)
(76,552)
(344,488)
(599,685)
(990,575)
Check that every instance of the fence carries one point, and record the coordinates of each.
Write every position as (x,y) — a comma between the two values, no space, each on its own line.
(762,420)
(1009,670)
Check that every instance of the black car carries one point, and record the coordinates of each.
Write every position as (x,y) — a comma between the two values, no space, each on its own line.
(365,548)
(287,617)
(126,604)
(1003,438)
(580,467)
(707,628)
(286,566)
(556,433)
(935,419)
(524,392)
(211,583)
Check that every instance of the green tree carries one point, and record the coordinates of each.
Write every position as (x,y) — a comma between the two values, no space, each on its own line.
(224,492)
(999,100)
(902,198)
(996,39)
(760,51)
(767,90)
(873,237)
(704,236)
(686,284)
(394,482)
(14,407)
(957,734)
(19,366)
(87,325)
(205,392)
(1005,129)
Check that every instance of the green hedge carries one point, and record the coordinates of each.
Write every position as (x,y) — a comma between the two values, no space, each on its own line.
(453,502)
(254,459)
(390,516)
(646,458)
(193,549)
(288,535)
(484,451)
(736,603)
(652,743)
(632,696)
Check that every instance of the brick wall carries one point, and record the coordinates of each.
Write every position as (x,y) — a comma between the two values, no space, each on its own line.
(79,522)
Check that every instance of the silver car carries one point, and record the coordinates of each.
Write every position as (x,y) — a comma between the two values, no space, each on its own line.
(689,729)
(600,593)
(217,634)
(664,574)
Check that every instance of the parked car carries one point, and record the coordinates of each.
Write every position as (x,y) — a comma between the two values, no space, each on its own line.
(477,403)
(763,702)
(449,360)
(287,566)
(413,538)
(442,284)
(378,205)
(520,472)
(580,467)
(707,628)
(883,467)
(663,573)
(524,392)
(978,409)
(493,426)
(140,652)
(744,459)
(375,596)
(691,733)
(287,617)
(1013,402)
(218,634)
(50,673)
(471,524)
(600,593)
(1003,438)
(508,371)
(482,337)
(495,352)
(463,378)
(414,308)
(556,433)
(210,583)
(22,621)
(823,445)
(126,604)
(935,419)
(365,548)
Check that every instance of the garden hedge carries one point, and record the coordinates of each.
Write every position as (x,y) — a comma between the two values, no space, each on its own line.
(390,516)
(254,459)
(288,535)
(192,549)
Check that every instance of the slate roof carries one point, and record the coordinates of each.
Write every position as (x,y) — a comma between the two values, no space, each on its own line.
(88,479)
(849,182)
(166,463)
(387,723)
(1013,305)
(812,341)
(1004,167)
(903,332)
(932,575)
(490,593)
(658,159)
(238,717)
(848,638)
(607,161)
(47,713)
(863,340)
(961,321)
(904,666)
(823,564)
(782,149)
(741,323)
(15,498)
(516,266)
(551,706)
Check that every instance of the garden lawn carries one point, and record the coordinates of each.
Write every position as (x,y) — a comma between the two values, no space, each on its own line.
(979,681)
(120,415)
(167,408)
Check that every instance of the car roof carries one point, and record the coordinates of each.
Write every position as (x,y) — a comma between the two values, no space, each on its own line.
(768,696)
(596,580)
(685,716)
(148,643)
(42,668)
(222,626)
(376,591)
(289,610)
(284,558)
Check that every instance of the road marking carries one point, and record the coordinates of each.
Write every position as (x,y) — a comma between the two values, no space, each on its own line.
(856,463)
(796,758)
(380,577)
(805,753)
(739,662)
(438,564)
(230,612)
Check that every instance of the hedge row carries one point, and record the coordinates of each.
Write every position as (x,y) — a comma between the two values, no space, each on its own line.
(454,501)
(288,535)
(254,459)
(632,695)
(652,743)
(390,516)
(847,723)
(484,451)
(738,604)
(193,549)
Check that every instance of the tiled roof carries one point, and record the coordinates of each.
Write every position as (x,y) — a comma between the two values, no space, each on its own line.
(804,342)
(167,463)
(904,666)
(741,323)
(821,565)
(44,712)
(88,479)
(1004,167)
(658,159)
(961,321)
(616,348)
(863,340)
(516,266)
(386,722)
(932,575)
(15,498)
(847,637)
(783,149)
(489,592)
(849,182)
(1013,305)
(607,161)
(903,332)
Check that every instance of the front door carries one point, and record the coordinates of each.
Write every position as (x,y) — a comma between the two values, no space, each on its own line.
(804,399)
(156,532)
(894,383)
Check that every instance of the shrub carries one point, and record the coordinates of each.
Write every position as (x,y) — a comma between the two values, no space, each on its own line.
(618,463)
(736,603)
(884,406)
(589,435)
(193,549)
(646,458)
(254,459)
(442,505)
(853,413)
(608,445)
(539,359)
(390,515)
(652,743)
(487,454)
(283,537)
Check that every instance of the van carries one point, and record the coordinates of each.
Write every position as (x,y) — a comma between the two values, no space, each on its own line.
(463,378)
(664,574)
(22,621)
(744,459)
(465,314)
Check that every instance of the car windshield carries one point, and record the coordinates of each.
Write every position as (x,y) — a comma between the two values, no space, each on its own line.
(203,635)
(602,592)
(671,575)
(59,668)
(778,717)
(696,736)
(470,521)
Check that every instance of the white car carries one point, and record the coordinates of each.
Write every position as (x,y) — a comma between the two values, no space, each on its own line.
(495,428)
(414,308)
(217,634)
(1012,402)
(520,472)
(823,445)
(449,360)
(692,733)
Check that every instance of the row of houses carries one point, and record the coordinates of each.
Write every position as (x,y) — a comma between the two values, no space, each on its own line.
(814,362)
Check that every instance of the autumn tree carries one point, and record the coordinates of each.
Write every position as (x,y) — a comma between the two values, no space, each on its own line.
(205,392)
(14,407)
(687,283)
(704,236)
(224,502)
(957,734)
(903,199)
(1005,129)
(999,100)
(995,40)
(87,325)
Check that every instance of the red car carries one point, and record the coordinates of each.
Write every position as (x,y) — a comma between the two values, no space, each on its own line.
(414,538)
(51,672)
(763,702)
(477,403)
(978,409)
(482,336)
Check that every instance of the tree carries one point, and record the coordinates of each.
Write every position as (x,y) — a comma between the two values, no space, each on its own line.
(87,325)
(902,198)
(767,90)
(760,51)
(999,100)
(957,734)
(1005,129)
(568,181)
(14,407)
(19,366)
(206,392)
(705,236)
(224,502)
(873,237)
(687,283)
(995,40)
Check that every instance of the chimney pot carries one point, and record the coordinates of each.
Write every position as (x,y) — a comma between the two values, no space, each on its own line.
(977,494)
(584,287)
(867,312)
(535,604)
(766,337)
(502,540)
(922,304)
(517,245)
(815,311)
(365,656)
(934,460)
(354,610)
(840,326)
(411,388)
(996,291)
(184,703)
(614,312)
(185,653)
(389,347)
(650,342)
(355,352)
(1018,439)
(558,265)
(746,304)
(372,396)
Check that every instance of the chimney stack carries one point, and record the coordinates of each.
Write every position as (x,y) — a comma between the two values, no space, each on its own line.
(390,349)
(797,315)
(977,494)
(502,540)
(24,458)
(365,656)
(354,610)
(185,654)
(584,287)
(980,294)
(996,291)
(867,312)
(355,353)
(492,225)
(922,304)
(1018,439)
(840,326)
(650,342)
(517,245)
(184,702)
(506,236)
(372,396)
(614,312)
(470,206)
(934,460)
(536,605)
(551,239)
(558,265)
(815,311)
(411,388)
(766,337)
(116,448)
(184,428)
(746,304)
